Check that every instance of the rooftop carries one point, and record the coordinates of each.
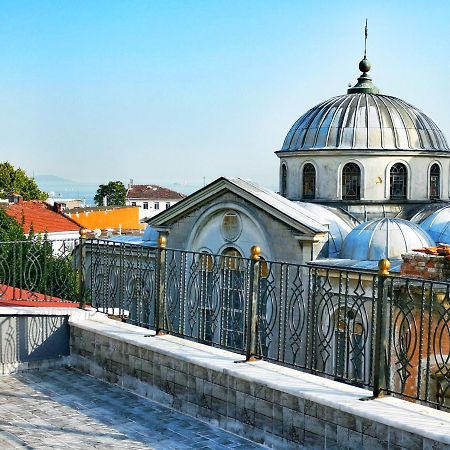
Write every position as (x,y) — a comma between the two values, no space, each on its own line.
(79,412)
(41,217)
(153,192)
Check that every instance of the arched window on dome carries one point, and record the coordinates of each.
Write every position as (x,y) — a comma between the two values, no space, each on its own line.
(283,183)
(435,182)
(309,181)
(351,182)
(398,181)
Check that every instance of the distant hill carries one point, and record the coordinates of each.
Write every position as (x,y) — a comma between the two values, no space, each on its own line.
(53,179)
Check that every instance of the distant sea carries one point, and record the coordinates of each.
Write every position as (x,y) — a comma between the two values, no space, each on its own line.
(62,188)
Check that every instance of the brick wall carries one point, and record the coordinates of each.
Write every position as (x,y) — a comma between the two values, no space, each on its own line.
(430,267)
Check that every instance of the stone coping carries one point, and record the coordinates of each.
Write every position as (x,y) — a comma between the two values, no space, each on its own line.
(81,314)
(418,419)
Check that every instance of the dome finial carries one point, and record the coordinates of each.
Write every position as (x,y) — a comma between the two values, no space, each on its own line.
(364,84)
(365,41)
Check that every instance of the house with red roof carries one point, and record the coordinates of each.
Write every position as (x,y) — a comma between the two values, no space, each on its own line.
(151,198)
(43,219)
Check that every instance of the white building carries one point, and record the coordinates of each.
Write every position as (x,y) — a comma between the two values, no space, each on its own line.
(151,199)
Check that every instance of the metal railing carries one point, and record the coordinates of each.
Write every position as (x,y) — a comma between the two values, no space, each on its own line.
(381,331)
(38,269)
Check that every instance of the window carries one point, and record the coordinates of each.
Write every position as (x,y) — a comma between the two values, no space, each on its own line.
(398,181)
(167,205)
(309,181)
(351,182)
(133,203)
(435,182)
(156,205)
(145,206)
(283,180)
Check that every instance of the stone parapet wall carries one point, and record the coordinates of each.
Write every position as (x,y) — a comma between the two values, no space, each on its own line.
(269,404)
(430,267)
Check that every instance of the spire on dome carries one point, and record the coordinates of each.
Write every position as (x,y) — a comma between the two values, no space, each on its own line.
(364,84)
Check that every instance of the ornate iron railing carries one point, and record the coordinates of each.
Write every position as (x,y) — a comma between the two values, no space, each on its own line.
(38,269)
(380,331)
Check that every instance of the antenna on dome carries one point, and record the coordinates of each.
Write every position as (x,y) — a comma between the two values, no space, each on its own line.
(365,41)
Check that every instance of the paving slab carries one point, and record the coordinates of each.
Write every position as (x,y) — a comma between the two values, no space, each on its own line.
(65,409)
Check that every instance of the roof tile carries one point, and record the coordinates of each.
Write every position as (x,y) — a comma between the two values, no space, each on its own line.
(153,192)
(41,216)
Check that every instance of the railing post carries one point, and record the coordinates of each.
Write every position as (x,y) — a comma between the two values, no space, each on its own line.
(160,297)
(252,317)
(380,331)
(81,276)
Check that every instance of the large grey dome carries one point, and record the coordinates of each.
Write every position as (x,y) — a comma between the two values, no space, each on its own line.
(365,121)
(384,238)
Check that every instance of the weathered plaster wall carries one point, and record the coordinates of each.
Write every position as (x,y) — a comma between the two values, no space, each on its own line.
(200,229)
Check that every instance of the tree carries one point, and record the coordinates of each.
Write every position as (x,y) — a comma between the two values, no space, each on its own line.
(115,193)
(15,181)
(10,230)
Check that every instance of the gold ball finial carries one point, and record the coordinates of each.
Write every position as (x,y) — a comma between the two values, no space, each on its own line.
(162,241)
(256,252)
(383,266)
(83,233)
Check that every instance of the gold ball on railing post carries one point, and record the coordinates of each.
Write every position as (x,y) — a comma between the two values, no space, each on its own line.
(383,267)
(162,241)
(83,233)
(255,252)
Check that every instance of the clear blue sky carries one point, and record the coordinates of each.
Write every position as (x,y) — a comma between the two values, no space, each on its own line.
(163,91)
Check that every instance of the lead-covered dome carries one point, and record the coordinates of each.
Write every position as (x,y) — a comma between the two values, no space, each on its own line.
(437,225)
(384,238)
(365,121)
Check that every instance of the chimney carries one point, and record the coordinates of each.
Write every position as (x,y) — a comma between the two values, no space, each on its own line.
(57,207)
(105,200)
(130,184)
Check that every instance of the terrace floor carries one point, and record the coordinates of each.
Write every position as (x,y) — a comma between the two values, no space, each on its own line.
(63,409)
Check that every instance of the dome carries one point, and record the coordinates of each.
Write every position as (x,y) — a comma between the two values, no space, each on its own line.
(384,238)
(150,235)
(362,120)
(338,228)
(437,225)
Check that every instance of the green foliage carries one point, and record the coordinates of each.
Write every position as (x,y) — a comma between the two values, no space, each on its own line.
(114,191)
(10,230)
(15,181)
(37,265)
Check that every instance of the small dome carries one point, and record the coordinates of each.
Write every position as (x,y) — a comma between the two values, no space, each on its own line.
(384,238)
(150,235)
(338,228)
(437,225)
(365,121)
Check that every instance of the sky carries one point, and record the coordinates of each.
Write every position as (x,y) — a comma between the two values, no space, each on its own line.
(184,91)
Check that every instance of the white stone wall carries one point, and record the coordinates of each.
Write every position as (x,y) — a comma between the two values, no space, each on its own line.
(375,173)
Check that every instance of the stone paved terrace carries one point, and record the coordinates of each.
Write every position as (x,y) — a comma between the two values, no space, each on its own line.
(63,409)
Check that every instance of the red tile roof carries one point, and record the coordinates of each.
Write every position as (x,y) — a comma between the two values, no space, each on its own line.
(42,216)
(153,192)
